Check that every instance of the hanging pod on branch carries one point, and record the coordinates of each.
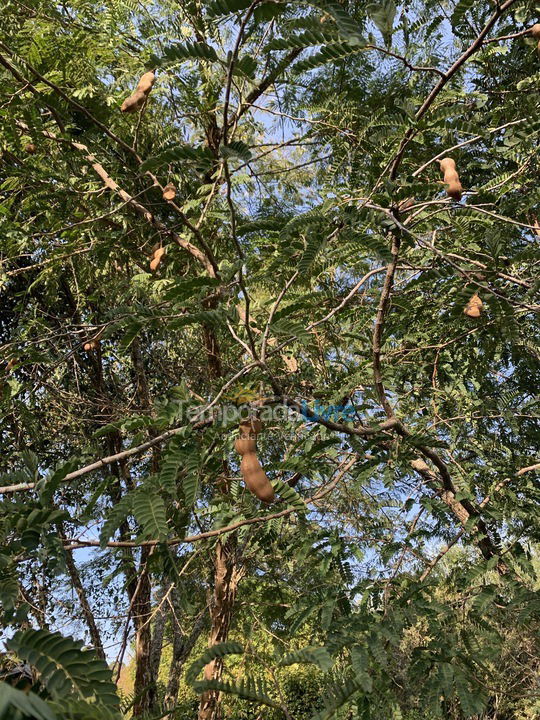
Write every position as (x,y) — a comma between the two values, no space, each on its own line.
(11,364)
(474,307)
(451,178)
(155,260)
(254,476)
(169,192)
(137,99)
(535,32)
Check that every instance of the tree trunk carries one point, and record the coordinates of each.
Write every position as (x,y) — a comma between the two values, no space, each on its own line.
(227,575)
(81,594)
(182,647)
(144,687)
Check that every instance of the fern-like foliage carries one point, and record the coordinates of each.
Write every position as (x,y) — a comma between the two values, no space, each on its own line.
(65,668)
(317,655)
(149,510)
(289,495)
(185,51)
(212,653)
(200,157)
(248,688)
(28,704)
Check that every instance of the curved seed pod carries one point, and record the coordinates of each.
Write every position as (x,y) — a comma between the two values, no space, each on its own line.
(169,192)
(255,478)
(11,364)
(474,307)
(245,444)
(30,149)
(133,102)
(451,178)
(156,258)
(535,31)
(146,82)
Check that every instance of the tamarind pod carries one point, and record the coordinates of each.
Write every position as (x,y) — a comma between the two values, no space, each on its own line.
(255,478)
(11,364)
(245,444)
(169,192)
(250,426)
(156,258)
(451,178)
(535,30)
(91,345)
(447,163)
(134,102)
(536,227)
(146,82)
(30,148)
(474,307)
(455,190)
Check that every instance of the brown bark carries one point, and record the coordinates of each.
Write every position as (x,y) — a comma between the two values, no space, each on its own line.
(83,599)
(145,686)
(145,670)
(227,575)
(182,647)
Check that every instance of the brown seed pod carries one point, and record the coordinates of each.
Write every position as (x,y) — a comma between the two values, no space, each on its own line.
(255,478)
(250,426)
(146,82)
(169,192)
(11,364)
(155,260)
(535,31)
(30,149)
(245,444)
(137,99)
(250,467)
(291,362)
(474,307)
(133,102)
(451,178)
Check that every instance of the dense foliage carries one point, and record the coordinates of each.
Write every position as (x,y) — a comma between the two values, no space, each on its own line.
(266,231)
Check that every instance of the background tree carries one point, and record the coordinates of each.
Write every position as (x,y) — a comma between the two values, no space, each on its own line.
(269,231)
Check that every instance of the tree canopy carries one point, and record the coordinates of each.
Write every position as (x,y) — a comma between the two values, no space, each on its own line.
(269,340)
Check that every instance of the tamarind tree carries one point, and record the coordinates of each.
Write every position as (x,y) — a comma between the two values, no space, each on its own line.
(324,217)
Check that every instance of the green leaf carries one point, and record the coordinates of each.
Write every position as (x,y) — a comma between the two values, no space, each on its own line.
(383,15)
(336,697)
(289,495)
(314,245)
(360,665)
(29,704)
(115,518)
(226,7)
(64,667)
(317,655)
(171,465)
(329,53)
(149,510)
(185,51)
(236,149)
(460,10)
(247,688)
(201,157)
(212,653)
